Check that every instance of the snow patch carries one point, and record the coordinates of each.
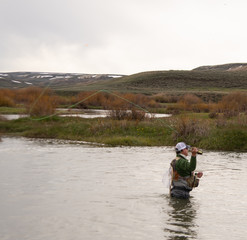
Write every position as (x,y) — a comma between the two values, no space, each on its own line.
(114,76)
(46,76)
(15,81)
(29,83)
(59,77)
(22,75)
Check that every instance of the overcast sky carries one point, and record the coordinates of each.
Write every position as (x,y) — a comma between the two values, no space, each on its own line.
(120,36)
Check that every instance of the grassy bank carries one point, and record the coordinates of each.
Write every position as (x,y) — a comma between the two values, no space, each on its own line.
(211,134)
(11,110)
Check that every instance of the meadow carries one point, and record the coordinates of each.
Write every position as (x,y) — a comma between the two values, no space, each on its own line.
(218,125)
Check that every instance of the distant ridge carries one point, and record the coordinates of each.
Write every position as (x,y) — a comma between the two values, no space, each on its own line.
(217,79)
(51,79)
(224,67)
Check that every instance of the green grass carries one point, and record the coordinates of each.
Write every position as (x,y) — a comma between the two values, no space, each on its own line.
(219,82)
(233,139)
(12,110)
(196,131)
(195,115)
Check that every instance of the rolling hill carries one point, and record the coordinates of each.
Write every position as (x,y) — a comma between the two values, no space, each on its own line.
(53,80)
(205,79)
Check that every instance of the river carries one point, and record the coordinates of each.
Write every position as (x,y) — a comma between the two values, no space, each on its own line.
(86,113)
(71,191)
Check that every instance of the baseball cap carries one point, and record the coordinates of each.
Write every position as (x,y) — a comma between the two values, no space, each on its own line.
(181,145)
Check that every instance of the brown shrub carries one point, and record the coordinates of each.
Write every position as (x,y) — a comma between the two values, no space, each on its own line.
(213,115)
(190,102)
(241,120)
(190,99)
(233,102)
(6,101)
(38,101)
(153,104)
(114,100)
(165,98)
(120,114)
(191,129)
(7,98)
(43,106)
(221,121)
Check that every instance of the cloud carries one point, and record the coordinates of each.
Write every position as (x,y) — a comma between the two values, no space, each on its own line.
(116,36)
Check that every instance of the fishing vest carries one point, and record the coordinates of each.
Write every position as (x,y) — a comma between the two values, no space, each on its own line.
(191,180)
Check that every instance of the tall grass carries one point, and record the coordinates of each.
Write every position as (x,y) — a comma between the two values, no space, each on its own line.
(114,100)
(6,98)
(233,104)
(191,130)
(38,101)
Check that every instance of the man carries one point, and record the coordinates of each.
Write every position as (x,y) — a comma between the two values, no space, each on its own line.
(183,177)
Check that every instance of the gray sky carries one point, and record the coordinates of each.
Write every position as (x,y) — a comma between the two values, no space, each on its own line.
(120,36)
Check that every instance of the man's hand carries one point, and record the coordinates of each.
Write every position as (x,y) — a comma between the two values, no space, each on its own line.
(194,151)
(199,174)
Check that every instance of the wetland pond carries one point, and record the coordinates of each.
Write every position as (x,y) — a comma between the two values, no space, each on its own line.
(86,113)
(71,191)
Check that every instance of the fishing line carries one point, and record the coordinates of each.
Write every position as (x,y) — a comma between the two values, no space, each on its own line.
(93,94)
(71,106)
(41,94)
(138,106)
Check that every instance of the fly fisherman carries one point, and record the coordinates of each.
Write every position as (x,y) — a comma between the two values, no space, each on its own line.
(182,170)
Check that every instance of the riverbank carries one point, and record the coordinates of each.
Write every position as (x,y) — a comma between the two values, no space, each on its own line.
(210,134)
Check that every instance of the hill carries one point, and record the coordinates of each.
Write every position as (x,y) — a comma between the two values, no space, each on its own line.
(224,67)
(53,80)
(178,81)
(218,79)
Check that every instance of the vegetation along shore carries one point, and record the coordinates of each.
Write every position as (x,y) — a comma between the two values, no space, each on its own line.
(218,125)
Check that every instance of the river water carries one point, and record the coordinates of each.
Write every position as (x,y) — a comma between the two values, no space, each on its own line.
(71,191)
(87,113)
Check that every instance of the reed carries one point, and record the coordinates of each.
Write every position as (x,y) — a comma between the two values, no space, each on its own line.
(207,134)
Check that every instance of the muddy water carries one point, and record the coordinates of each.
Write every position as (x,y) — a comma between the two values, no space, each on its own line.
(58,190)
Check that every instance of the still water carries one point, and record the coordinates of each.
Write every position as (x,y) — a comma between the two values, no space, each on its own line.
(70,191)
(88,113)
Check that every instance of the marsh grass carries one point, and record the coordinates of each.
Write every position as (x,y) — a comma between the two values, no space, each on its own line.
(6,101)
(207,134)
(191,130)
(193,124)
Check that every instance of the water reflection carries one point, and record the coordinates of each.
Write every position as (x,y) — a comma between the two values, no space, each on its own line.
(181,219)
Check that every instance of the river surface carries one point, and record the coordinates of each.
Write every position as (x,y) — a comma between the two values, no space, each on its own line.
(87,113)
(71,191)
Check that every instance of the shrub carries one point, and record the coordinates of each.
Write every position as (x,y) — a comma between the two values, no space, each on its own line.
(190,99)
(6,101)
(39,102)
(114,100)
(42,107)
(213,115)
(191,130)
(233,103)
(191,102)
(232,139)
(164,98)
(121,114)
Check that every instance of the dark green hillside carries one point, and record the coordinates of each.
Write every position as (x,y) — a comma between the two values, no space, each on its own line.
(205,80)
(177,81)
